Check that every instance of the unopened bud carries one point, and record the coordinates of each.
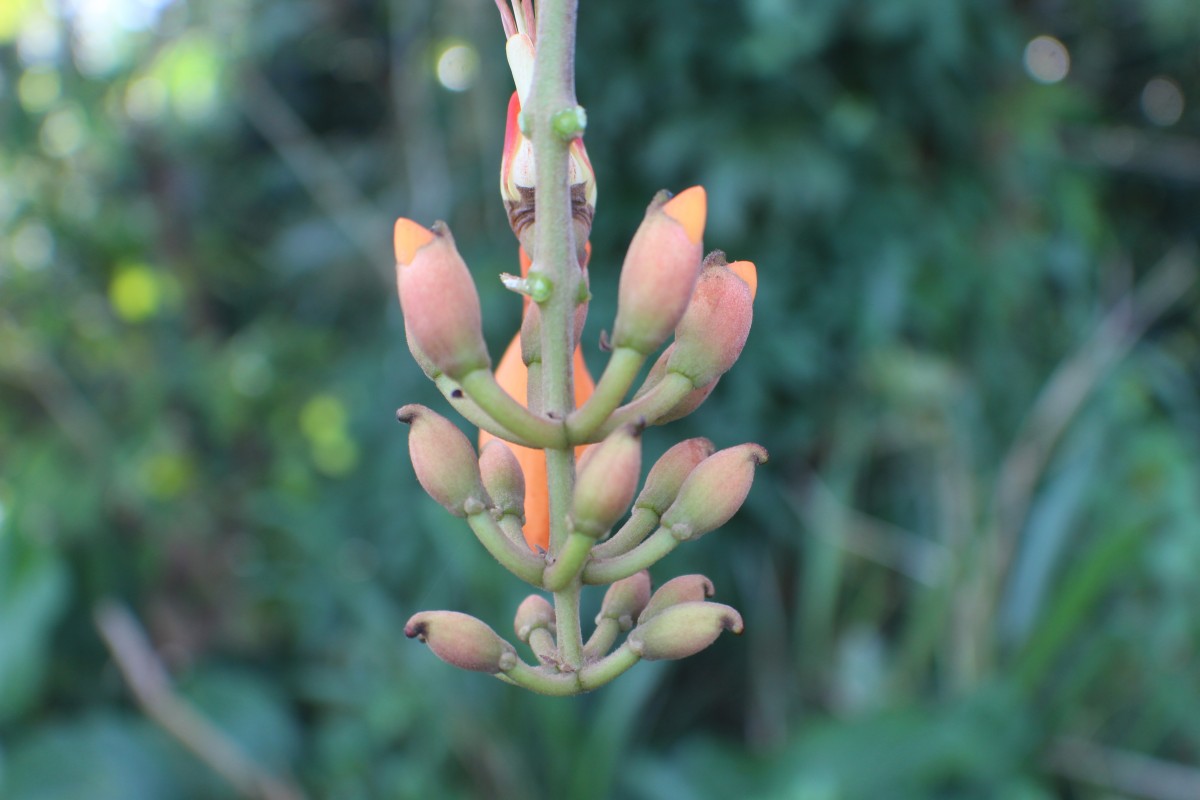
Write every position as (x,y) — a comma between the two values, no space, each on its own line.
(625,599)
(712,333)
(437,295)
(684,589)
(444,461)
(683,630)
(534,612)
(462,640)
(714,491)
(503,478)
(660,271)
(669,473)
(607,480)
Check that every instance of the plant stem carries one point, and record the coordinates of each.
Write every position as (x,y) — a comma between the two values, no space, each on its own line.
(667,394)
(514,557)
(645,555)
(619,374)
(554,254)
(641,523)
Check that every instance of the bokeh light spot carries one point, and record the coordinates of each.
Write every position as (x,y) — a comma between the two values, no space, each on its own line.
(32,246)
(1047,59)
(323,418)
(457,67)
(38,89)
(62,133)
(1162,101)
(135,293)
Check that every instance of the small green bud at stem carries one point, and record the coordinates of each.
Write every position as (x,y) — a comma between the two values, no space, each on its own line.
(570,123)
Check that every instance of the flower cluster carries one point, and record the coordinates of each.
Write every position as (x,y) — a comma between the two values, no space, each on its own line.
(602,530)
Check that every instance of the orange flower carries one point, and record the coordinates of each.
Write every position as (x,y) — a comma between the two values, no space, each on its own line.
(513,375)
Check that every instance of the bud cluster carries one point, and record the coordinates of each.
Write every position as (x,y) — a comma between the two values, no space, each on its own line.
(577,518)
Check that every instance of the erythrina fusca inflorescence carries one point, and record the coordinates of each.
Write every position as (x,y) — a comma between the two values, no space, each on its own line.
(560,455)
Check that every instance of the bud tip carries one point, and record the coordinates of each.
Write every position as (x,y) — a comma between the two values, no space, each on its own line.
(410,237)
(689,208)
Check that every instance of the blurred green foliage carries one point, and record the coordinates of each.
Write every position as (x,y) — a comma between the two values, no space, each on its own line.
(977,541)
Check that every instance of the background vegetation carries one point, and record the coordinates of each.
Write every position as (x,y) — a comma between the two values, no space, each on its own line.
(970,570)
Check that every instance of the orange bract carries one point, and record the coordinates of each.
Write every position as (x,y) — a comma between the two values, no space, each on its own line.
(513,375)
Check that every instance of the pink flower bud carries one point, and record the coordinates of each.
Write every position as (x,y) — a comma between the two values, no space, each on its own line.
(503,478)
(625,599)
(713,331)
(684,589)
(607,480)
(683,630)
(441,307)
(462,640)
(534,612)
(714,491)
(444,461)
(660,271)
(669,473)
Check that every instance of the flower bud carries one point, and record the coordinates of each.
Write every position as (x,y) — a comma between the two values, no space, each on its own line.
(625,599)
(669,473)
(607,480)
(684,589)
(534,612)
(437,295)
(713,331)
(462,640)
(660,271)
(502,478)
(444,461)
(683,630)
(714,491)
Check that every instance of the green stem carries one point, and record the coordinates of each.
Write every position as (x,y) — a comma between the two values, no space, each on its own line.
(569,634)
(619,374)
(602,639)
(541,642)
(553,90)
(665,395)
(560,684)
(514,557)
(570,560)
(641,523)
(472,413)
(482,388)
(642,557)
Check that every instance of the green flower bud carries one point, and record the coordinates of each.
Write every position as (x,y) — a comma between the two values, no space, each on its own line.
(442,317)
(625,599)
(660,271)
(607,480)
(534,612)
(684,589)
(444,461)
(683,630)
(713,331)
(669,473)
(714,491)
(462,640)
(503,478)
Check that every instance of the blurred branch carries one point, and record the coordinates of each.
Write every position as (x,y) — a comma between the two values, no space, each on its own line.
(148,680)
(1123,772)
(896,548)
(333,190)
(1071,383)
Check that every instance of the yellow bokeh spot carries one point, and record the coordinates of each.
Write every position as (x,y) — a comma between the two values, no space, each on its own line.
(135,293)
(12,17)
(190,69)
(323,419)
(38,89)
(335,456)
(167,475)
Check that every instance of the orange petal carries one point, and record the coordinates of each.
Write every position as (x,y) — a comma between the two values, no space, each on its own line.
(747,272)
(513,375)
(689,208)
(409,238)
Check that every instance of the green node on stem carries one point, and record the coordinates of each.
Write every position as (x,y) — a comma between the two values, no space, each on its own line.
(570,123)
(571,559)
